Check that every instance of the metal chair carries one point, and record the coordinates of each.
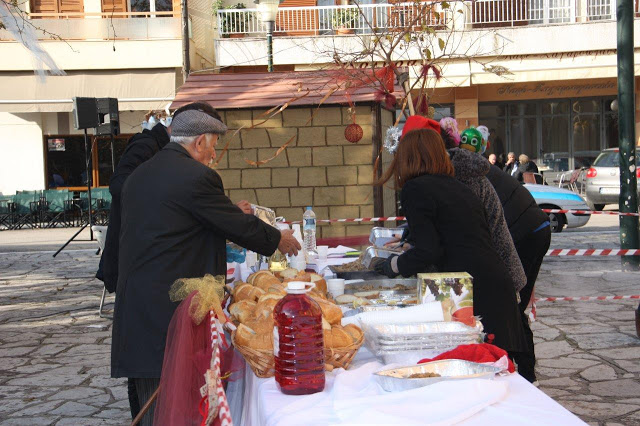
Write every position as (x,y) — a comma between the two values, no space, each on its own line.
(569,180)
(103,205)
(101,236)
(5,211)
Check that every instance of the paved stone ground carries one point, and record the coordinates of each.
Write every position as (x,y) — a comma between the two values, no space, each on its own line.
(54,350)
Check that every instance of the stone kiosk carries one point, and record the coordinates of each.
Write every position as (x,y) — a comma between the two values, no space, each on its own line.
(319,168)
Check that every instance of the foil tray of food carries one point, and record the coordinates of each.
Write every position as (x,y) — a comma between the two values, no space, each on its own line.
(380,236)
(405,378)
(382,292)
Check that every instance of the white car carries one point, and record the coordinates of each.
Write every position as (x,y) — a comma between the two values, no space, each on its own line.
(552,197)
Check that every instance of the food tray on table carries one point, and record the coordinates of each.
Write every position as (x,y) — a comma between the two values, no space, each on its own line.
(383,293)
(399,379)
(355,275)
(380,236)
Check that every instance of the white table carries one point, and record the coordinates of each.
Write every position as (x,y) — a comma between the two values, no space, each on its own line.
(256,401)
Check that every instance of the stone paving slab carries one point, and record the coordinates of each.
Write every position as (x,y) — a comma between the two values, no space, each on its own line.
(55,350)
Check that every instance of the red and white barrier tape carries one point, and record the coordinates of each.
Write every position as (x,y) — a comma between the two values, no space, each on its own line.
(589,212)
(396,218)
(584,298)
(593,252)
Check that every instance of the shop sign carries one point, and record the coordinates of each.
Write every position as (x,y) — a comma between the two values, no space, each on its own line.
(541,89)
(55,144)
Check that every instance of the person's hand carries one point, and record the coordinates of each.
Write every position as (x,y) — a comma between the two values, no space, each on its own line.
(245,206)
(288,244)
(509,161)
(383,267)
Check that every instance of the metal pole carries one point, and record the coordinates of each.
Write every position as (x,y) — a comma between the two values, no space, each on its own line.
(186,64)
(627,138)
(88,150)
(270,26)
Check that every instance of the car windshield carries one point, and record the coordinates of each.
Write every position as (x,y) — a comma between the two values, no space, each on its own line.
(608,159)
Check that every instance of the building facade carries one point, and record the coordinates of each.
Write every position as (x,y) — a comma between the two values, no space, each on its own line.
(126,50)
(540,74)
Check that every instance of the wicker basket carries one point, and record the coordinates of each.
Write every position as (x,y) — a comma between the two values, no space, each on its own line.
(342,357)
(261,361)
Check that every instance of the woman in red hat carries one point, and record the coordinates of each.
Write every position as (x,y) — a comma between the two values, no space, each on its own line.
(449,229)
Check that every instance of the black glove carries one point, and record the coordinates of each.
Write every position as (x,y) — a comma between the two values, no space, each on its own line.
(383,267)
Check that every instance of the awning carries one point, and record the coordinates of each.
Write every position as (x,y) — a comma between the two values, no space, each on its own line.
(135,89)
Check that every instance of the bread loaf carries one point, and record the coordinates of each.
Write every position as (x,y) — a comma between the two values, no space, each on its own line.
(246,336)
(337,337)
(330,311)
(253,276)
(320,283)
(243,310)
(265,307)
(354,331)
(288,273)
(264,281)
(261,325)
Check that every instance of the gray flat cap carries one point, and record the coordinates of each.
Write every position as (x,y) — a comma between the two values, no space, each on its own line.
(196,123)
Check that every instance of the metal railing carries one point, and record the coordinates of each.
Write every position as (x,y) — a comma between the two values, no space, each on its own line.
(372,18)
(326,20)
(103,26)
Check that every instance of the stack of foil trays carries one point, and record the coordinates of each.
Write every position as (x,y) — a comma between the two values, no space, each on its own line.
(414,341)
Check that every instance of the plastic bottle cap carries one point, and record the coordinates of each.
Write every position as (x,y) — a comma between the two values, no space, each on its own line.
(308,207)
(296,285)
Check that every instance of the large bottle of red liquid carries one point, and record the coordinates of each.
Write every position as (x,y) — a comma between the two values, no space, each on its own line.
(298,342)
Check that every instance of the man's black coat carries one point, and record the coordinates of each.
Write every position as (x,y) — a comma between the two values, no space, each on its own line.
(140,148)
(175,223)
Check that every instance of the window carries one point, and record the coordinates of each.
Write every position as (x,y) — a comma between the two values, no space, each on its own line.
(65,160)
(57,6)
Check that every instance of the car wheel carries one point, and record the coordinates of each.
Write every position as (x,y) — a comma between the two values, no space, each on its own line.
(598,207)
(556,221)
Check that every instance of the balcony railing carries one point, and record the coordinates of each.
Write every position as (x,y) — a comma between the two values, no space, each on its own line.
(103,26)
(372,18)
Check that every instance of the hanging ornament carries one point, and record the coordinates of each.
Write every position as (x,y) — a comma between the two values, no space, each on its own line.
(353,133)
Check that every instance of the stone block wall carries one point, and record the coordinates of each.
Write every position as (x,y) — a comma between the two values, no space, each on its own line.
(319,168)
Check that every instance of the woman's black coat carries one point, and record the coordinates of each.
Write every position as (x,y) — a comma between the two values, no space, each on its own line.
(175,223)
(449,228)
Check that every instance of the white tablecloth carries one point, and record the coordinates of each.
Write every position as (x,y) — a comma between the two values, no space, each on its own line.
(348,395)
(507,400)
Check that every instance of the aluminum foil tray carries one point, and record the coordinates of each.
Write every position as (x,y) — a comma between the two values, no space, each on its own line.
(391,292)
(397,379)
(372,252)
(409,331)
(380,236)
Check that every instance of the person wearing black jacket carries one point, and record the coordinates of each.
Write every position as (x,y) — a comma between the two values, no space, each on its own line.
(529,228)
(449,228)
(176,220)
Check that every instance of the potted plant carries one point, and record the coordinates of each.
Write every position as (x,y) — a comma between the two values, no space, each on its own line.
(345,20)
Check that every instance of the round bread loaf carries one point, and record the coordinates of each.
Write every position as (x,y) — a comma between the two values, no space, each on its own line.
(337,337)
(246,336)
(264,281)
(261,325)
(320,283)
(253,276)
(354,331)
(331,312)
(243,310)
(265,307)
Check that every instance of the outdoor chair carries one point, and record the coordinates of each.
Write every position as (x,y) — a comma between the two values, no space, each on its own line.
(24,209)
(103,205)
(84,206)
(6,202)
(569,180)
(56,208)
(101,236)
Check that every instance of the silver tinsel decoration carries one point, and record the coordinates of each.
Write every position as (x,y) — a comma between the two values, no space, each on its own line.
(392,139)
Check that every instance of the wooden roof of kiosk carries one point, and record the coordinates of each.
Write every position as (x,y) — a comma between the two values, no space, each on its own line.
(264,90)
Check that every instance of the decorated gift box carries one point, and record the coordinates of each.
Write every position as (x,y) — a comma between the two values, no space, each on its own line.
(454,290)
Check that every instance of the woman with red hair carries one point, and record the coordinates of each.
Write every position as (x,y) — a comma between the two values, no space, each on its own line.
(449,229)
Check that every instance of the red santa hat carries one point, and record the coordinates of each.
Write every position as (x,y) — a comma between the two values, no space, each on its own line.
(416,122)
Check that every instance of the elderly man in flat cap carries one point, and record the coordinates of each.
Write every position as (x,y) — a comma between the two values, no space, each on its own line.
(175,223)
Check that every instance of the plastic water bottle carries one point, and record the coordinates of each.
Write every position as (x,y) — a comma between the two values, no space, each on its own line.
(298,342)
(309,234)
